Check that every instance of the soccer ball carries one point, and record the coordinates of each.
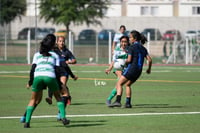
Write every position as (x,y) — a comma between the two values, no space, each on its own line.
(119,64)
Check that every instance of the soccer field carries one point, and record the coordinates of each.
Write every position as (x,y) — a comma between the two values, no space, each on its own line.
(166,101)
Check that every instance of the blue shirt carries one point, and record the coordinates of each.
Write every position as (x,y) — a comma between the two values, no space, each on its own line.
(138,53)
(64,55)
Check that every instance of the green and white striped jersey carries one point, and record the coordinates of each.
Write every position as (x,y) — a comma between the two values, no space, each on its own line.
(45,65)
(119,54)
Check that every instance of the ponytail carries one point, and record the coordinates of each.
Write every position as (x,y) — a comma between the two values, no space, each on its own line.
(139,37)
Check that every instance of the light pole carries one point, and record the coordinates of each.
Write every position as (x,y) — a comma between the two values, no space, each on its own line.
(36,26)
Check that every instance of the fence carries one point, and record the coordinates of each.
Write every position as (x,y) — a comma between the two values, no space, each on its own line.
(167,52)
(13,50)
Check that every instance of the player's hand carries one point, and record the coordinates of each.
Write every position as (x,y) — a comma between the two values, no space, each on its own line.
(107,71)
(28,86)
(68,62)
(75,77)
(148,71)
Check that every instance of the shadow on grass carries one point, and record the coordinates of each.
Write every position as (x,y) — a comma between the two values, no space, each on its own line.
(156,106)
(85,125)
(74,123)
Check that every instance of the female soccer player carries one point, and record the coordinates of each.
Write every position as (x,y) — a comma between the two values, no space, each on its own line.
(136,54)
(119,53)
(116,41)
(43,73)
(66,57)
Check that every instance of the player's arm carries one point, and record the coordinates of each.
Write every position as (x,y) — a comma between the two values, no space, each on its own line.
(69,71)
(71,61)
(70,57)
(113,46)
(114,43)
(107,71)
(114,57)
(58,71)
(149,61)
(128,60)
(31,75)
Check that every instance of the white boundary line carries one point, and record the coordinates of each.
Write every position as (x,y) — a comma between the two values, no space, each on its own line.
(97,71)
(108,115)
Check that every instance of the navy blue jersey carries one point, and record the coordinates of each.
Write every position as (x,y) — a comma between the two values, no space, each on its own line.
(134,68)
(64,55)
(138,53)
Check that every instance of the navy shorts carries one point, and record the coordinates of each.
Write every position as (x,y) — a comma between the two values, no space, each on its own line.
(132,75)
(63,72)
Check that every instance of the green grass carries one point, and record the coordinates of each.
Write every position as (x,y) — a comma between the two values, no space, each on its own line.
(168,89)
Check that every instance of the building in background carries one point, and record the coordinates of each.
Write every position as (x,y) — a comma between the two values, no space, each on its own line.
(140,8)
(135,14)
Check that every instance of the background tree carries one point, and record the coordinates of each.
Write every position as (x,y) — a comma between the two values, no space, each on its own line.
(73,11)
(10,9)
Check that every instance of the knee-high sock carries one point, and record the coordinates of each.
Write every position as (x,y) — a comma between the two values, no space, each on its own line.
(61,108)
(29,112)
(112,94)
(33,110)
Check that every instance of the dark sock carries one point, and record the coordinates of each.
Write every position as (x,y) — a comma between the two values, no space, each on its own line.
(118,99)
(64,100)
(128,100)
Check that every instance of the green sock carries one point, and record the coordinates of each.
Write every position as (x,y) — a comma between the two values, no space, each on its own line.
(61,108)
(112,94)
(29,111)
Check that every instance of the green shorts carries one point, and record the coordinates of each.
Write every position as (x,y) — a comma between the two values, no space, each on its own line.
(41,82)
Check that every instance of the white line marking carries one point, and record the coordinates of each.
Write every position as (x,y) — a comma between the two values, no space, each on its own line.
(97,71)
(107,115)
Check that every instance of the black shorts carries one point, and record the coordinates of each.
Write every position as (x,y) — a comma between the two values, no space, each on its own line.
(132,75)
(63,72)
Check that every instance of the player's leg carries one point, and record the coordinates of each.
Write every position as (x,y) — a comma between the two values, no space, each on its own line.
(119,85)
(54,87)
(111,96)
(114,91)
(49,98)
(23,118)
(133,78)
(66,93)
(61,108)
(36,96)
(128,94)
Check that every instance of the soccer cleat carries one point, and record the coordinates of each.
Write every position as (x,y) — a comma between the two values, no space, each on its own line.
(65,121)
(59,117)
(23,119)
(49,100)
(108,102)
(127,106)
(26,125)
(116,104)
